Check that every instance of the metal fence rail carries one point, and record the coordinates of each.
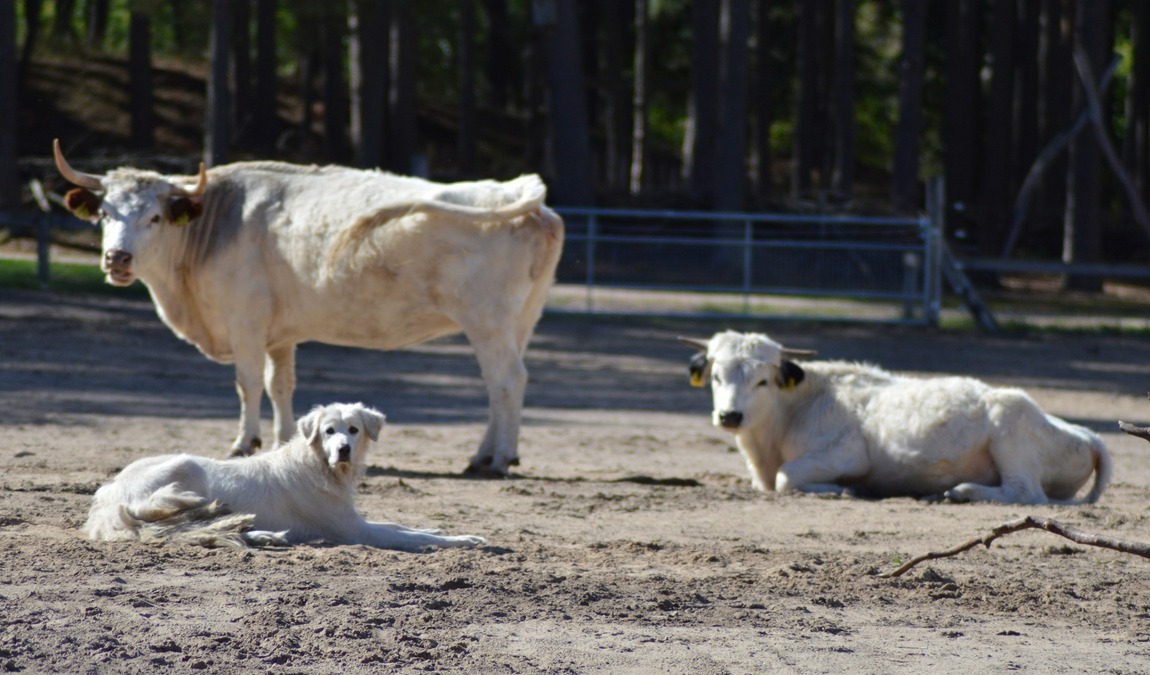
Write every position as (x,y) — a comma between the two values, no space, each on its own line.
(755,255)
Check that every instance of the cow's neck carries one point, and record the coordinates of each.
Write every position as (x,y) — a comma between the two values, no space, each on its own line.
(179,307)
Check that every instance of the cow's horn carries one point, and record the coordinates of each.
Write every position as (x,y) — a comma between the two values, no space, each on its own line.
(84,180)
(692,342)
(798,353)
(201,185)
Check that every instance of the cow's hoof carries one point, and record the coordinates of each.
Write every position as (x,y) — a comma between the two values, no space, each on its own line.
(239,450)
(485,470)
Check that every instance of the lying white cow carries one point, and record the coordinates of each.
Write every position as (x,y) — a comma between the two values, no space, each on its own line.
(828,426)
(260,256)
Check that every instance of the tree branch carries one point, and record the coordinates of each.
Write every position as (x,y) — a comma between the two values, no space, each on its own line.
(1026,523)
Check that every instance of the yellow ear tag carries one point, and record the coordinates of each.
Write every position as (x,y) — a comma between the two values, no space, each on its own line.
(82,212)
(788,384)
(697,380)
(183,219)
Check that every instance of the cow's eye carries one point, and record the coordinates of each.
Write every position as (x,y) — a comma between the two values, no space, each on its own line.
(352,430)
(329,431)
(762,383)
(155,219)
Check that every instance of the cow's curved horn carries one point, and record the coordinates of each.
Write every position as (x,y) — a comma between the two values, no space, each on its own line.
(692,342)
(84,180)
(201,185)
(798,353)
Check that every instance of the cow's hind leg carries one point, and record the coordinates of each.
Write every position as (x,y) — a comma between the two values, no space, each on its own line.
(506,378)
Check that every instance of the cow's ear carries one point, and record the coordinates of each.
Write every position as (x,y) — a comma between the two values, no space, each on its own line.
(700,369)
(790,375)
(183,210)
(83,203)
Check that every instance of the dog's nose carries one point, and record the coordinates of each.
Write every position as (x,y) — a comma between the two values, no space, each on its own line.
(730,419)
(345,453)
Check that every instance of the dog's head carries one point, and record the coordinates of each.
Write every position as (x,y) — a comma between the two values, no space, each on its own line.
(339,434)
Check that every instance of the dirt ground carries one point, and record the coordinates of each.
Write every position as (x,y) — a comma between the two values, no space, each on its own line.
(630,540)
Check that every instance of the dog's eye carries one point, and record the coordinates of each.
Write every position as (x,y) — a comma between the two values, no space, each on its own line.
(352,430)
(329,431)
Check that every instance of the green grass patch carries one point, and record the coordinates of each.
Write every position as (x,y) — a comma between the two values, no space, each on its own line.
(65,277)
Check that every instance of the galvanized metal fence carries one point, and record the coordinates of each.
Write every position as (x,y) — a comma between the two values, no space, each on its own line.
(845,266)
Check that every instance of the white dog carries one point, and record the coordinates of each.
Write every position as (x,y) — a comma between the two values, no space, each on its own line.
(302,491)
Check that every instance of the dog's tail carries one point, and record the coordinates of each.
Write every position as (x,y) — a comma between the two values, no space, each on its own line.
(174,515)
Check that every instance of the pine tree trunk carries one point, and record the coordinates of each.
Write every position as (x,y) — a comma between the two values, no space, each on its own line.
(912,70)
(140,80)
(368,72)
(265,121)
(731,157)
(401,104)
(9,128)
(467,139)
(703,106)
(217,128)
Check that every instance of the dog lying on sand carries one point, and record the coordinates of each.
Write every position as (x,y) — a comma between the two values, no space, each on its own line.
(300,492)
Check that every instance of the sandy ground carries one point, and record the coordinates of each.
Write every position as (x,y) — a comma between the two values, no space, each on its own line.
(630,540)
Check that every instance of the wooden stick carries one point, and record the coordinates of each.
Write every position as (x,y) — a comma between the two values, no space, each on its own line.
(1140,432)
(1026,523)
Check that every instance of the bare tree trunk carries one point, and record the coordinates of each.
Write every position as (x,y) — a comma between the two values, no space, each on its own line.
(335,106)
(703,106)
(1082,234)
(467,139)
(843,114)
(998,171)
(961,113)
(639,100)
(241,67)
(219,101)
(402,114)
(567,105)
(367,48)
(140,80)
(912,70)
(9,127)
(731,157)
(97,23)
(265,122)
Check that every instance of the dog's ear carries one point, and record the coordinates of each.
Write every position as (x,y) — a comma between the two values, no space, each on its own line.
(372,421)
(308,425)
(700,369)
(790,375)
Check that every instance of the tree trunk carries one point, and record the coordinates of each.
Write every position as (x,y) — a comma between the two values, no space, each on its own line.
(912,70)
(1055,112)
(467,139)
(1026,88)
(960,115)
(499,55)
(730,160)
(402,114)
(1136,143)
(217,128)
(703,106)
(615,94)
(843,173)
(62,28)
(32,10)
(639,100)
(367,49)
(140,80)
(241,67)
(335,106)
(9,127)
(97,23)
(810,125)
(998,187)
(762,100)
(567,105)
(265,122)
(1082,236)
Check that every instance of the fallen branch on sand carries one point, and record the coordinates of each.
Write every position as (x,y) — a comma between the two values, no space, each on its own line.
(1026,523)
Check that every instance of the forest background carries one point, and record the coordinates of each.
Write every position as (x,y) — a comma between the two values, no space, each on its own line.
(821,105)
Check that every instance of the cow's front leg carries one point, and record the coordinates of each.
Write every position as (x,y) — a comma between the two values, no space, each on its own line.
(279,381)
(823,471)
(506,379)
(250,387)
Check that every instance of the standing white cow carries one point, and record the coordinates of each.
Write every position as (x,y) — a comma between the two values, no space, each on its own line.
(250,259)
(825,426)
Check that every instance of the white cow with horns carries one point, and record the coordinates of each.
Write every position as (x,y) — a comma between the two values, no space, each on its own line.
(832,427)
(250,259)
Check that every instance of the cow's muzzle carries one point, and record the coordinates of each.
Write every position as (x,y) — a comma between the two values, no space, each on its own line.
(730,419)
(118,266)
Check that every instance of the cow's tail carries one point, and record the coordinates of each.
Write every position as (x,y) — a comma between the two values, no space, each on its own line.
(174,515)
(1103,470)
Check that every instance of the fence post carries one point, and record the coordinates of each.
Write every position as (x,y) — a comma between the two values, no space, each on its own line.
(936,221)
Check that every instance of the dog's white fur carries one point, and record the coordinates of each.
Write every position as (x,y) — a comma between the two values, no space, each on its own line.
(300,492)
